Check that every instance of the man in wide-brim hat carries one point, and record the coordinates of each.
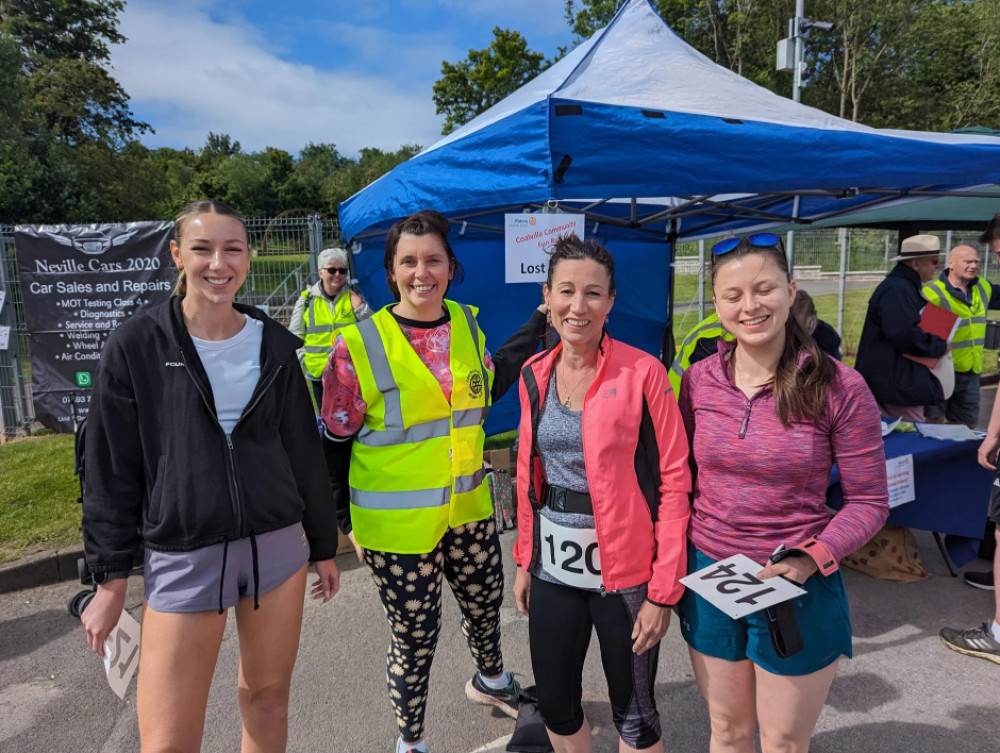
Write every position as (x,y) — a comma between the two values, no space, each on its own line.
(901,386)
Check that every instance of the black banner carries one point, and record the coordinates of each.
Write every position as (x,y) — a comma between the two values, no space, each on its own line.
(79,282)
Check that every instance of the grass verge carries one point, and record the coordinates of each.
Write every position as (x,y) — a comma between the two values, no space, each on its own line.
(38,493)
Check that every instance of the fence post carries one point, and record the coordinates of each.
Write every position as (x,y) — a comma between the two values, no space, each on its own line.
(315,225)
(842,286)
(13,405)
(701,280)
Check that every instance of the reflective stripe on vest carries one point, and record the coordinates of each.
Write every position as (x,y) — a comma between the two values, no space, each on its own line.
(416,466)
(321,323)
(709,327)
(970,334)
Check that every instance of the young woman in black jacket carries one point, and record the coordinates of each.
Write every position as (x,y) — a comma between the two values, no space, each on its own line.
(202,451)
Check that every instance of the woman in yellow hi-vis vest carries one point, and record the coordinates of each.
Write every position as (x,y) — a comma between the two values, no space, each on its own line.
(411,386)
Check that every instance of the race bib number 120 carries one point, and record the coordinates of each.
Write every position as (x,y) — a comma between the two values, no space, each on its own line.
(570,554)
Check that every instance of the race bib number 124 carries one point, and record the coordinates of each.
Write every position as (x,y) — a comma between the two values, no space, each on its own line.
(732,586)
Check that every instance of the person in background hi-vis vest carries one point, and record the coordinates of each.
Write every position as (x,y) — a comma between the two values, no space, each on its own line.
(700,342)
(322,309)
(960,290)
(411,387)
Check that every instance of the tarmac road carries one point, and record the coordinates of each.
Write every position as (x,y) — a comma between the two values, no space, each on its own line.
(903,691)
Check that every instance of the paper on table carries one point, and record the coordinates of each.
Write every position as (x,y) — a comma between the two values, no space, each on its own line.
(954,432)
(887,428)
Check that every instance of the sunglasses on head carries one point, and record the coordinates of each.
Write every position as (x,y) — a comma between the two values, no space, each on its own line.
(336,270)
(760,240)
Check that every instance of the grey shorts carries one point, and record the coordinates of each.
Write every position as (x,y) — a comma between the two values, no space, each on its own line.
(194,581)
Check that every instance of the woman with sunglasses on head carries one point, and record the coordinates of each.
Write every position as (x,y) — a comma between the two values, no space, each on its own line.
(603,480)
(201,449)
(767,418)
(411,386)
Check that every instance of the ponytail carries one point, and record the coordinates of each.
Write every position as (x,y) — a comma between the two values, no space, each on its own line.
(800,390)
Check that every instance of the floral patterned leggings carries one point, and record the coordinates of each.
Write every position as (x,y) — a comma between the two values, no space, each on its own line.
(410,588)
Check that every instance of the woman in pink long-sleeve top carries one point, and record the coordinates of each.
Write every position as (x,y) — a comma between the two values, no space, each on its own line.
(767,418)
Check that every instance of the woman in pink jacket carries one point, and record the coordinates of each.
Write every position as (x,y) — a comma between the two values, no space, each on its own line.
(603,484)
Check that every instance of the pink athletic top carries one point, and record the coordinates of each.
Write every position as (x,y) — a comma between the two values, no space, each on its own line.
(758,484)
(343,408)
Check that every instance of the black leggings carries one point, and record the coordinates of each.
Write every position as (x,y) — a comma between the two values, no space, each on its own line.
(410,588)
(560,621)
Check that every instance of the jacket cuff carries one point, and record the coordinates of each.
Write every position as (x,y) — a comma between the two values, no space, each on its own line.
(659,604)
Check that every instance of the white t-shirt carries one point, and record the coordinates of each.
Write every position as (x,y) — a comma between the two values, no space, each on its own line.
(233,368)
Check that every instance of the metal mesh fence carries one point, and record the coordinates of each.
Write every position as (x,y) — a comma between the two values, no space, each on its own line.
(284,263)
(820,255)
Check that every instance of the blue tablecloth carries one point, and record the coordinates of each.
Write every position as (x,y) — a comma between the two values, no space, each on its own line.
(952,491)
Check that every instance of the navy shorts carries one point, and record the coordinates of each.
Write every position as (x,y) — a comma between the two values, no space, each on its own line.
(822,613)
(191,581)
(963,405)
(993,514)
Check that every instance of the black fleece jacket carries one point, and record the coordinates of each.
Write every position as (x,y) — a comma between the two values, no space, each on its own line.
(890,331)
(160,470)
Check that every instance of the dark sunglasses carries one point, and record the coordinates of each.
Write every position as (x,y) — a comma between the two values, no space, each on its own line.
(761,240)
(336,270)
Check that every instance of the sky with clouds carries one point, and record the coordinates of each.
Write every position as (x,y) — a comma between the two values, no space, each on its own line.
(355,73)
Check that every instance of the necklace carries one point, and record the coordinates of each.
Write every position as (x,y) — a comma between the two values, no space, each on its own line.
(568,401)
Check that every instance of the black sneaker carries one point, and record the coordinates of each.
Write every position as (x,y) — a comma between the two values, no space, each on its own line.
(975,642)
(980,580)
(506,699)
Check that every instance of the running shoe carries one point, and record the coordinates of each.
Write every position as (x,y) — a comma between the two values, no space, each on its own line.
(506,699)
(978,641)
(982,580)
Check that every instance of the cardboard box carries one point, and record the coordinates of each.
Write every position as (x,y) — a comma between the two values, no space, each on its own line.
(498,460)
(344,544)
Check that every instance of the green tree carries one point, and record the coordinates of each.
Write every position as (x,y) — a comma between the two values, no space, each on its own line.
(369,167)
(65,44)
(308,186)
(485,77)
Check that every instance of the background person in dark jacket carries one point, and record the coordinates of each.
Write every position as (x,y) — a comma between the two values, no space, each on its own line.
(901,386)
(202,448)
(826,337)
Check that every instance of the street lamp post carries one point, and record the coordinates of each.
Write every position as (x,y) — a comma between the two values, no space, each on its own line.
(791,57)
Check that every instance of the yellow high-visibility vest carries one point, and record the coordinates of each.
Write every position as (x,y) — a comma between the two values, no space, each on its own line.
(417,462)
(708,328)
(967,342)
(321,325)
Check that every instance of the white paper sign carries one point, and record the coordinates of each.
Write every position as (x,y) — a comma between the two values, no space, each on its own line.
(4,337)
(899,472)
(732,586)
(526,239)
(121,653)
(570,555)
